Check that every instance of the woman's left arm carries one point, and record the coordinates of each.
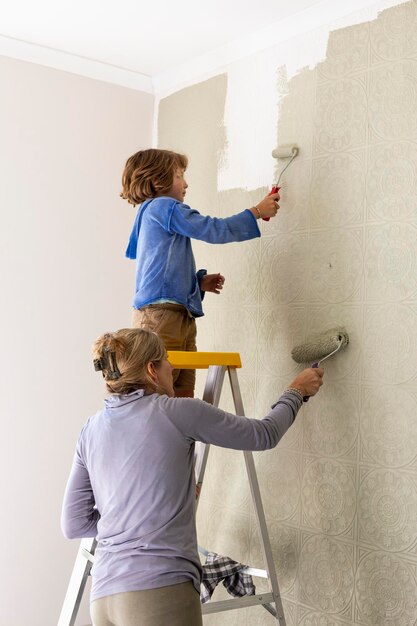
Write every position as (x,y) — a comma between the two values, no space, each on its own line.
(79,517)
(201,421)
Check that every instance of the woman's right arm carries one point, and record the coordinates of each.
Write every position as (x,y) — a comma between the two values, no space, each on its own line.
(200,421)
(79,516)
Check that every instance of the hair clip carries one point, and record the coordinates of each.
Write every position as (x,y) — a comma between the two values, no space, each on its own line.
(113,374)
(107,362)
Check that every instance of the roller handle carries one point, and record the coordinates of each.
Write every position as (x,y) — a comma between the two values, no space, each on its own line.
(305,399)
(274,189)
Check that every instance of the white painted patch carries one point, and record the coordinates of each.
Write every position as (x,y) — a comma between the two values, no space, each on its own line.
(251,110)
(250,120)
(252,94)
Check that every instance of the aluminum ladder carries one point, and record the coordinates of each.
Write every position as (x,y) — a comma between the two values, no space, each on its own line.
(217,363)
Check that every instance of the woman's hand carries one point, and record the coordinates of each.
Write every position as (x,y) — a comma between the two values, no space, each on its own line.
(212,282)
(309,381)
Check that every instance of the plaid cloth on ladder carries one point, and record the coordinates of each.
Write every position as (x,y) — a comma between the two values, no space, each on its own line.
(222,568)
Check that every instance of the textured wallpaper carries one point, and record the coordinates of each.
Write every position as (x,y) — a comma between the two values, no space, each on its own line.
(340,490)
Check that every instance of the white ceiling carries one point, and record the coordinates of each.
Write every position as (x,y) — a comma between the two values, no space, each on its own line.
(133,42)
(145,36)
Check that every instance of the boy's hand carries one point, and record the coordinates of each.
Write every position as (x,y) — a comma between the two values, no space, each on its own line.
(212,282)
(268,207)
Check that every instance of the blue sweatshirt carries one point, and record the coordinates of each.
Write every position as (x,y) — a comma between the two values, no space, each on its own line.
(160,243)
(132,484)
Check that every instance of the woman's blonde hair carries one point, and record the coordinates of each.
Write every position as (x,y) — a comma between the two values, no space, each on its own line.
(150,173)
(123,357)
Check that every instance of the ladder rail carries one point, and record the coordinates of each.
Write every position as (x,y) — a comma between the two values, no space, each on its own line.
(77,583)
(258,506)
(211,394)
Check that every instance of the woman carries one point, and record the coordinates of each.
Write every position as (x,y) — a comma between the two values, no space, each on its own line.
(132,482)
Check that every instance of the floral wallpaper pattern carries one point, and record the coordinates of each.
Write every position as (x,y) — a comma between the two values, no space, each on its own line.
(340,490)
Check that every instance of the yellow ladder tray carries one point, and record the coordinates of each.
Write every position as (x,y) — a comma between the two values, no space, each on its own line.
(202,360)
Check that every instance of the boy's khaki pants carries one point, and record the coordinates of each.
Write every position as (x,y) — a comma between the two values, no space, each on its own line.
(177,329)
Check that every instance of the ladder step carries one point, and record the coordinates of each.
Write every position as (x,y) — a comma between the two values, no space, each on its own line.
(87,555)
(253,571)
(203,360)
(237,603)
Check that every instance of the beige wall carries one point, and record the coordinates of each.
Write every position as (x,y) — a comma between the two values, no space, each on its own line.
(64,280)
(340,490)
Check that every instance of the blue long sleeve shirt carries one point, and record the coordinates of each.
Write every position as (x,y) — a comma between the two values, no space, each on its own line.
(132,484)
(161,244)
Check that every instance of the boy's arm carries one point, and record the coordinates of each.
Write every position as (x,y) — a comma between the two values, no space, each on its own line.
(188,222)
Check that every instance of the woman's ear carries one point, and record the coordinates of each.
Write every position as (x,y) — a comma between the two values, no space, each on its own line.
(152,372)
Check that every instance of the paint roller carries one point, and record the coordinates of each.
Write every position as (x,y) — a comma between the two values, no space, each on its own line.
(289,151)
(320,347)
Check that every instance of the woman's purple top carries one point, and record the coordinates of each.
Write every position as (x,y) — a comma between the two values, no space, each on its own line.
(132,484)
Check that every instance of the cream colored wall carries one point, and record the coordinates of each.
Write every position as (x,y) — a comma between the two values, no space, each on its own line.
(64,280)
(340,491)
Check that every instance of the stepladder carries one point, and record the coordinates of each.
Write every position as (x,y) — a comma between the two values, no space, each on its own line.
(217,365)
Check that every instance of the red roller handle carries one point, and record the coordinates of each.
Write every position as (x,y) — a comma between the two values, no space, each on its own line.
(274,189)
(305,399)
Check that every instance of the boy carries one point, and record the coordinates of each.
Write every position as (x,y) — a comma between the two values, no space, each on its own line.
(169,291)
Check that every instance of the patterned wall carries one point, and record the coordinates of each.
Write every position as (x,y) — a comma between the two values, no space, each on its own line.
(340,491)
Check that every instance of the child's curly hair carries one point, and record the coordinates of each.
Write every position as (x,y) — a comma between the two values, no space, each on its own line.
(149,173)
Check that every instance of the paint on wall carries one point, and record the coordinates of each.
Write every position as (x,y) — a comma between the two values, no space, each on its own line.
(257,87)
